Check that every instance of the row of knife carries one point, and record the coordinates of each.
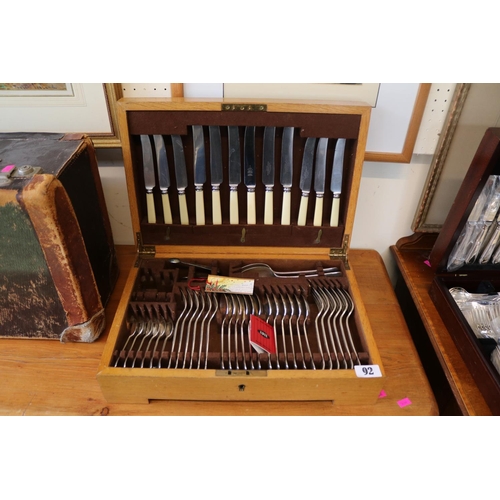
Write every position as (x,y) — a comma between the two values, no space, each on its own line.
(313,168)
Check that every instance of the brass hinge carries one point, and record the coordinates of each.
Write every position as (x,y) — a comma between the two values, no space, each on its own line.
(243,107)
(341,253)
(144,250)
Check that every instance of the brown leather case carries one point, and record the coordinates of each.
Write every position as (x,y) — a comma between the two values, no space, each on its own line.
(57,259)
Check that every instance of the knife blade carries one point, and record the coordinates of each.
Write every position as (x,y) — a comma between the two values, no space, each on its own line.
(234,173)
(306,179)
(163,176)
(181,177)
(249,172)
(216,177)
(286,173)
(200,174)
(268,172)
(149,177)
(336,182)
(319,180)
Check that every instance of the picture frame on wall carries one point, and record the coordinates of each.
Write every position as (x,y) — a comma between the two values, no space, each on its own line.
(395,119)
(62,108)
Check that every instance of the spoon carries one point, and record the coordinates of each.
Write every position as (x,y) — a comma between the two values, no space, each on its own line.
(199,266)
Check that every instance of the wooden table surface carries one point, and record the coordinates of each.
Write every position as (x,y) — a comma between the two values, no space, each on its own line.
(418,278)
(44,377)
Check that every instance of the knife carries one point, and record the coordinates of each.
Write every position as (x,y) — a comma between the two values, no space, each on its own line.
(249,173)
(181,177)
(336,183)
(149,177)
(319,180)
(163,176)
(215,172)
(200,174)
(306,179)
(268,172)
(286,173)
(234,173)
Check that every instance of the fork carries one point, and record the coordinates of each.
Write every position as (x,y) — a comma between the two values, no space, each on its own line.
(328,271)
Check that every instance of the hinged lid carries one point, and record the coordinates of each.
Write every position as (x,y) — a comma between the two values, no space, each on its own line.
(176,208)
(485,163)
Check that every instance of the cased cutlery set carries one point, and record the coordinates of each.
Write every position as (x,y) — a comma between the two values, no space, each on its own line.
(242,288)
(465,258)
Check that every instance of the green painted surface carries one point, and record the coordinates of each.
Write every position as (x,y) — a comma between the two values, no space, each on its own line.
(29,304)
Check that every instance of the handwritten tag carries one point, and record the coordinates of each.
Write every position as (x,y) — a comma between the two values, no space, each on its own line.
(224,284)
(368,371)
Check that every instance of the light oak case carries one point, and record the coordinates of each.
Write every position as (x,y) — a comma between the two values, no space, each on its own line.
(224,245)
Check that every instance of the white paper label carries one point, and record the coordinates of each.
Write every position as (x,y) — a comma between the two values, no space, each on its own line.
(368,371)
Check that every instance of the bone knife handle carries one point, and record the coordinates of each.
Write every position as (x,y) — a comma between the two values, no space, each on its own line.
(334,218)
(216,207)
(151,208)
(268,207)
(318,211)
(234,217)
(167,212)
(287,202)
(251,206)
(183,209)
(200,208)
(304,199)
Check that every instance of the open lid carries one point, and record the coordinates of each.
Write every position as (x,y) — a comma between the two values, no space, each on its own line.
(176,117)
(473,217)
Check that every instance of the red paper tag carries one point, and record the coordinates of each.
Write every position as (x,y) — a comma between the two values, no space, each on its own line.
(261,335)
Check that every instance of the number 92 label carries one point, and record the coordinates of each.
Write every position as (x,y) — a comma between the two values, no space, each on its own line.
(367,371)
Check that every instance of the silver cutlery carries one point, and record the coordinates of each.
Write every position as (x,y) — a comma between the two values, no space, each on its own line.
(336,182)
(268,173)
(200,175)
(305,182)
(181,177)
(319,180)
(149,177)
(234,173)
(163,176)
(258,266)
(216,177)
(286,173)
(249,176)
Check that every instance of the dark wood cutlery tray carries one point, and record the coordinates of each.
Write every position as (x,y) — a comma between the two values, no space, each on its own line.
(161,290)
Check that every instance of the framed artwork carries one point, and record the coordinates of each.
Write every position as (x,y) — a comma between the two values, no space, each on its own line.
(396,115)
(474,108)
(62,107)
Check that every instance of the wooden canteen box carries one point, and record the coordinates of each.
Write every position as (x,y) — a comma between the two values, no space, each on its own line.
(239,176)
(474,275)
